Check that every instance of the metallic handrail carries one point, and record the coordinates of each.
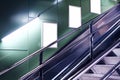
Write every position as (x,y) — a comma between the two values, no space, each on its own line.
(42,49)
(96,60)
(37,52)
(93,32)
(105,13)
(100,27)
(111,71)
(45,63)
(93,49)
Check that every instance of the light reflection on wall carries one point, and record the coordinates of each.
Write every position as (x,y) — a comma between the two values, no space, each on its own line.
(20,30)
(19,38)
(20,18)
(57,1)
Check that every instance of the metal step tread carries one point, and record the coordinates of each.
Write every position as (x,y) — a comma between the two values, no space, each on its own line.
(117,51)
(102,66)
(102,69)
(111,60)
(89,76)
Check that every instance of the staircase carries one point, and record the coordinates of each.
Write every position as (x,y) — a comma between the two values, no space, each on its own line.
(102,66)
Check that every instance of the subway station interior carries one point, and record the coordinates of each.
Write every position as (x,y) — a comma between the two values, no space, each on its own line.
(60,40)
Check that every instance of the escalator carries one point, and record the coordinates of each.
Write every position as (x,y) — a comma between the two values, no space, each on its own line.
(99,67)
(69,57)
(104,32)
(79,61)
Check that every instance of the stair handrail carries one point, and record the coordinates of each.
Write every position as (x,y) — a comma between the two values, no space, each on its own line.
(45,63)
(111,71)
(44,48)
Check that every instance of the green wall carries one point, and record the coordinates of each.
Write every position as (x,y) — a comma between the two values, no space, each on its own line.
(29,40)
(107,4)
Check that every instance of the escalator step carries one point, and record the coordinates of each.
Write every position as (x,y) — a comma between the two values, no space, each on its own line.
(111,60)
(102,69)
(117,51)
(97,77)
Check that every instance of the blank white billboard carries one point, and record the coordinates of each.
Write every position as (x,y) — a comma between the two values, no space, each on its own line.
(49,34)
(74,16)
(95,6)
